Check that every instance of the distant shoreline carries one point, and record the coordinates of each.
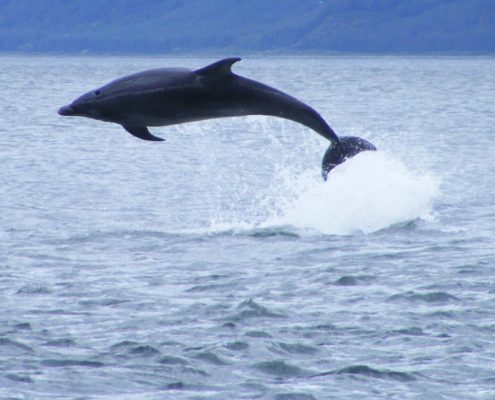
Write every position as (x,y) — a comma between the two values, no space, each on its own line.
(256,28)
(246,54)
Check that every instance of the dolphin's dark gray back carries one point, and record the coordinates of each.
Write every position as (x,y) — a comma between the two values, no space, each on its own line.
(261,99)
(151,80)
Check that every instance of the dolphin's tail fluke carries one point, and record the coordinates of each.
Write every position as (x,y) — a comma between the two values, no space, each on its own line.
(339,151)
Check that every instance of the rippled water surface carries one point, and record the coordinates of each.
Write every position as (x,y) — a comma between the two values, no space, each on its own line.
(218,265)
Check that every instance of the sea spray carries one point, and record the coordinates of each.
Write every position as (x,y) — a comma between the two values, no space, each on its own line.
(367,193)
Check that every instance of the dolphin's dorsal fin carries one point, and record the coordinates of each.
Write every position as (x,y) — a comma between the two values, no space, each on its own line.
(219,68)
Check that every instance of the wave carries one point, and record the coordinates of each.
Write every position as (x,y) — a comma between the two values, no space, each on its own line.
(366,371)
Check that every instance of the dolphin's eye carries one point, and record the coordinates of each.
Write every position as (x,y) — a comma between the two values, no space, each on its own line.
(97,92)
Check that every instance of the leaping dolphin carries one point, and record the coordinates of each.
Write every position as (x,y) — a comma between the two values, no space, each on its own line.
(167,96)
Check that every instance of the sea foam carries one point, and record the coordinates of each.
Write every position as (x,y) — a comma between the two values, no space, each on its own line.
(369,192)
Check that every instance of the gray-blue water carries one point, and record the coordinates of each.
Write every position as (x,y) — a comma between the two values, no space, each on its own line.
(218,265)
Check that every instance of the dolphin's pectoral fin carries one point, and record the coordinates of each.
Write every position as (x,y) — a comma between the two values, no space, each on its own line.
(142,132)
(222,67)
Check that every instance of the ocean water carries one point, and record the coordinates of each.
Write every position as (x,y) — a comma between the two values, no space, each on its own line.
(218,264)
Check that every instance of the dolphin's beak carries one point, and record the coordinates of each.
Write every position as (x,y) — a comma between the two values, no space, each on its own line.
(66,110)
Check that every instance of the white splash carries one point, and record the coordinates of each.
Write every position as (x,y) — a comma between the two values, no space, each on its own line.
(369,192)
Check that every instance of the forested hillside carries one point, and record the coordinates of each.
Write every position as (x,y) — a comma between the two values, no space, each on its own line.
(285,26)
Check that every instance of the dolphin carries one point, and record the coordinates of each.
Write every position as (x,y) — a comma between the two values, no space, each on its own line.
(167,96)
